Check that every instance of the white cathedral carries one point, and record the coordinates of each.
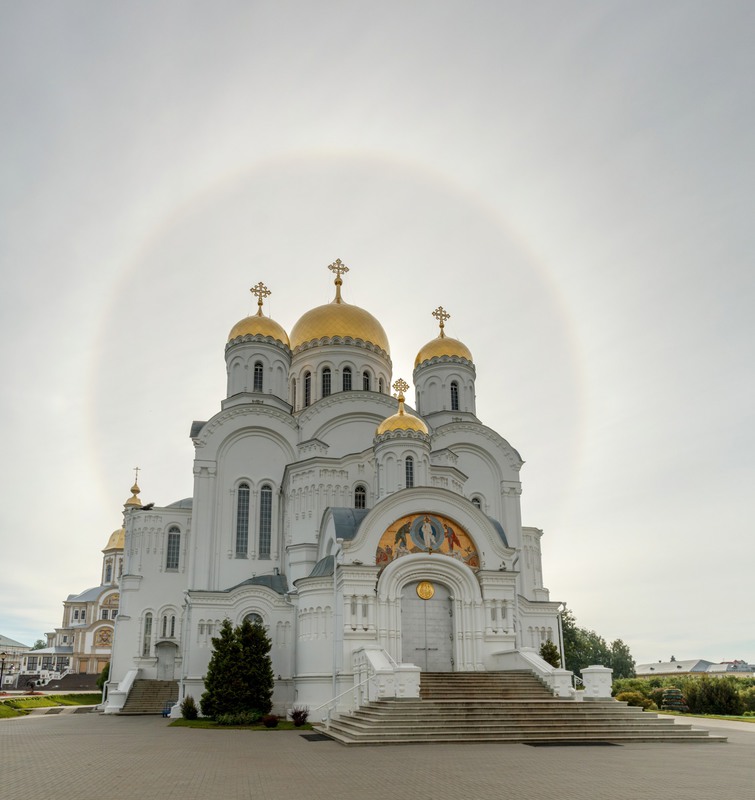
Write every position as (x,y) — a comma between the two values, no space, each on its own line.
(373,542)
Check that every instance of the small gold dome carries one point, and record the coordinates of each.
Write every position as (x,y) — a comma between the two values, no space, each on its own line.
(259,325)
(443,346)
(401,421)
(116,540)
(134,499)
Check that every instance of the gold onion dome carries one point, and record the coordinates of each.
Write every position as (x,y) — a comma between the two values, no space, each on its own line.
(135,492)
(258,324)
(442,345)
(401,421)
(339,319)
(116,540)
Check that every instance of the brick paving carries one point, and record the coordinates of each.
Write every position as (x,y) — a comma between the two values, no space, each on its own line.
(91,756)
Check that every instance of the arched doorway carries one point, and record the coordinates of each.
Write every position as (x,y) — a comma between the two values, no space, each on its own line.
(427,628)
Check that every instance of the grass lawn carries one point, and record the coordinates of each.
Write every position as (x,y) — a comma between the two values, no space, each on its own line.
(708,716)
(49,700)
(6,711)
(283,725)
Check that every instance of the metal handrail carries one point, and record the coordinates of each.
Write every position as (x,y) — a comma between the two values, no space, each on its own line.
(329,703)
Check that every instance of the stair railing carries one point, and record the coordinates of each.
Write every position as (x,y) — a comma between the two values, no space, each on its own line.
(330,704)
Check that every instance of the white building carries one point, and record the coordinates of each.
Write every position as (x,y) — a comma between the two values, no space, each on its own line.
(311,467)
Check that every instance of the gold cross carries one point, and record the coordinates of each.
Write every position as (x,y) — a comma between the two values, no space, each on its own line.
(136,474)
(339,268)
(260,291)
(441,315)
(401,386)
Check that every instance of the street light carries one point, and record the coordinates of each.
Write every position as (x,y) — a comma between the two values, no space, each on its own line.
(2,669)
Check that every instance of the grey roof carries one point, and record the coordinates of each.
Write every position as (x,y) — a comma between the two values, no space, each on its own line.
(501,532)
(278,583)
(185,503)
(5,641)
(348,520)
(322,568)
(66,649)
(88,594)
(661,667)
(196,427)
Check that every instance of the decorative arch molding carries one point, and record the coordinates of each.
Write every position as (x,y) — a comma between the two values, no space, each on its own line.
(421,500)
(251,432)
(458,578)
(472,431)
(331,406)
(241,419)
(241,600)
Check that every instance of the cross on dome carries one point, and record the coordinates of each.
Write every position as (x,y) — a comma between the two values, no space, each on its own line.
(441,315)
(339,268)
(260,291)
(401,386)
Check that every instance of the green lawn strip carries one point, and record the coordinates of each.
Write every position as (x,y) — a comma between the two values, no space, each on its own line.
(7,712)
(208,723)
(50,700)
(706,716)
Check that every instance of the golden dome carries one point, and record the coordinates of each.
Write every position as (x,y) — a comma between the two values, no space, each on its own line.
(339,319)
(442,345)
(258,324)
(116,540)
(401,421)
(134,499)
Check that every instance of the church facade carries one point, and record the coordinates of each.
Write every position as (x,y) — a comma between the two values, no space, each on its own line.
(357,531)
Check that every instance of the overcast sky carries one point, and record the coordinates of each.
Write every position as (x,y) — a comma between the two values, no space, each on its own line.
(573,181)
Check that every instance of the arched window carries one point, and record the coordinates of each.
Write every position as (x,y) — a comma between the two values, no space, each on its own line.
(242,520)
(108,572)
(257,386)
(307,388)
(173,549)
(266,518)
(409,470)
(147,635)
(360,497)
(254,618)
(165,626)
(346,379)
(476,502)
(381,386)
(172,626)
(454,396)
(326,382)
(366,381)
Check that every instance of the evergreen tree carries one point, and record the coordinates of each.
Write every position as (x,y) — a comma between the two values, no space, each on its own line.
(226,690)
(621,661)
(549,652)
(257,667)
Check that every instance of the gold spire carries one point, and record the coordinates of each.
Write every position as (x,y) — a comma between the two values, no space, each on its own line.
(441,315)
(135,491)
(401,421)
(339,268)
(400,386)
(260,291)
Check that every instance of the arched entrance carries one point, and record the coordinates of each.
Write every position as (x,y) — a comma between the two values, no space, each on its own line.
(166,661)
(427,628)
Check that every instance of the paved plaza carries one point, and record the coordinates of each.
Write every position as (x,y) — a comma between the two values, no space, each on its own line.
(90,757)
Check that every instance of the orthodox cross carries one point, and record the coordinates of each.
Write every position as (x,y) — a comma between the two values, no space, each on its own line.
(136,474)
(401,386)
(441,315)
(339,268)
(260,291)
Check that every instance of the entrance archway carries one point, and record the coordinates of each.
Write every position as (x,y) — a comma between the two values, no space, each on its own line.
(427,626)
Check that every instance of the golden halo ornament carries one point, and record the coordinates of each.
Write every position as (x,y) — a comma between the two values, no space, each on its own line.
(425,590)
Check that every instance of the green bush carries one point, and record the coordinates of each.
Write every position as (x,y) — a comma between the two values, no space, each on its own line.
(707,695)
(102,678)
(189,708)
(636,699)
(239,718)
(748,698)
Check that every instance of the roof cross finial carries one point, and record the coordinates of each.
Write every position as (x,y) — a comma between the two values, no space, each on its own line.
(136,474)
(400,386)
(441,315)
(339,268)
(260,291)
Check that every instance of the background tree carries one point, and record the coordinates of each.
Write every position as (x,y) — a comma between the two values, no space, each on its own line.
(103,676)
(583,648)
(39,644)
(256,665)
(226,690)
(621,661)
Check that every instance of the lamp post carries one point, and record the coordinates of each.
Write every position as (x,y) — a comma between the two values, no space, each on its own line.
(2,669)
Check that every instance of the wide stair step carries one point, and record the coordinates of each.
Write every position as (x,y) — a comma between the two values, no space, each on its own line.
(501,707)
(150,697)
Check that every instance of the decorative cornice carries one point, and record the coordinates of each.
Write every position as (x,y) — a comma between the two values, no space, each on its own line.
(347,340)
(512,456)
(402,434)
(429,362)
(252,409)
(258,338)
(353,396)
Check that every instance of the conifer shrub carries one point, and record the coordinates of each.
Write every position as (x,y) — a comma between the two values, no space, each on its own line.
(189,708)
(549,652)
(299,715)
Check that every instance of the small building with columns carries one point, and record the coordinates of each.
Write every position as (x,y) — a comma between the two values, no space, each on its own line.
(369,538)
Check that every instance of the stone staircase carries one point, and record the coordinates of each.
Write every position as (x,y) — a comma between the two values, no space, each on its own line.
(149,697)
(511,707)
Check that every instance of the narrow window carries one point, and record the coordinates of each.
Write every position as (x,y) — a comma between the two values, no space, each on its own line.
(173,549)
(242,521)
(293,392)
(366,381)
(76,614)
(307,388)
(172,627)
(114,613)
(360,497)
(381,386)
(83,615)
(103,613)
(257,386)
(147,637)
(108,572)
(326,382)
(266,513)
(165,625)
(347,379)
(409,469)
(454,396)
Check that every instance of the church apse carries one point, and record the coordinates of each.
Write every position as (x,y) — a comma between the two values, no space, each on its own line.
(426,533)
